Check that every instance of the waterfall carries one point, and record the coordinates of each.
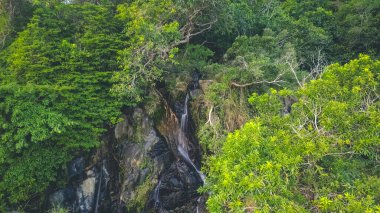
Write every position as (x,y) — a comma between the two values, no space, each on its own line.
(175,129)
(156,195)
(182,145)
(198,202)
(185,114)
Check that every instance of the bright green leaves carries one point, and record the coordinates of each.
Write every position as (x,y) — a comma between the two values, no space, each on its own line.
(27,117)
(255,170)
(152,35)
(35,122)
(158,33)
(345,97)
(360,198)
(258,60)
(320,155)
(31,130)
(320,152)
(29,153)
(266,104)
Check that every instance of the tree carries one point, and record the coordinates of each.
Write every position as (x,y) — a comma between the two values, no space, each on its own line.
(155,30)
(251,64)
(55,101)
(320,156)
(357,29)
(14,16)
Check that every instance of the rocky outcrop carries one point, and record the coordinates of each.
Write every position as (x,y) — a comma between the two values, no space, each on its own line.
(144,156)
(155,179)
(86,193)
(63,198)
(140,167)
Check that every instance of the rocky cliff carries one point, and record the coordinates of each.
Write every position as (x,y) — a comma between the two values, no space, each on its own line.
(144,165)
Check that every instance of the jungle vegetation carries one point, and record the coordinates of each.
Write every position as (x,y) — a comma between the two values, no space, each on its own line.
(291,116)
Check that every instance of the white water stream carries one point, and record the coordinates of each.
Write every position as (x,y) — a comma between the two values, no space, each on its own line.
(182,148)
(156,196)
(182,145)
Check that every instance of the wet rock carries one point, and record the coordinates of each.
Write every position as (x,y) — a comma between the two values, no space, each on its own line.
(179,183)
(143,175)
(179,187)
(76,167)
(150,140)
(121,130)
(133,158)
(62,198)
(201,204)
(144,169)
(86,193)
(175,183)
(142,160)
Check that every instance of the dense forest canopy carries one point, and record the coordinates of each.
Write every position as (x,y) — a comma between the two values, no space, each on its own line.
(290,119)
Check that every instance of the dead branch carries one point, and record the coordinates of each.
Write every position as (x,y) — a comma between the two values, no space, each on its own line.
(209,116)
(341,153)
(293,67)
(319,63)
(276,81)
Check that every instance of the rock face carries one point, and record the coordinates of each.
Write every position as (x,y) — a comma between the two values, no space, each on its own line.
(140,167)
(63,197)
(80,195)
(144,155)
(155,179)
(76,167)
(86,193)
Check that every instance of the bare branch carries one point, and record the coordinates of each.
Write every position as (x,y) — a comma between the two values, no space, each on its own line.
(276,81)
(340,153)
(319,63)
(209,116)
(189,33)
(289,60)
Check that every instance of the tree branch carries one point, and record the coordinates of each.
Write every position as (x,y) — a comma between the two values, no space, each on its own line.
(276,81)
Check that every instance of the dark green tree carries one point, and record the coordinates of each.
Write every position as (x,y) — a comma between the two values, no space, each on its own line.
(55,100)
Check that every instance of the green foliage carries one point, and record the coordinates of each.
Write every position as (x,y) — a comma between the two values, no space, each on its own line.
(55,99)
(257,61)
(59,210)
(322,155)
(152,34)
(341,29)
(159,33)
(142,194)
(357,29)
(31,173)
(302,22)
(251,64)
(27,120)
(14,15)
(193,57)
(59,60)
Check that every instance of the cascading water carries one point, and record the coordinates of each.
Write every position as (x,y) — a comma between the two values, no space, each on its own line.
(176,189)
(182,145)
(156,196)
(198,202)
